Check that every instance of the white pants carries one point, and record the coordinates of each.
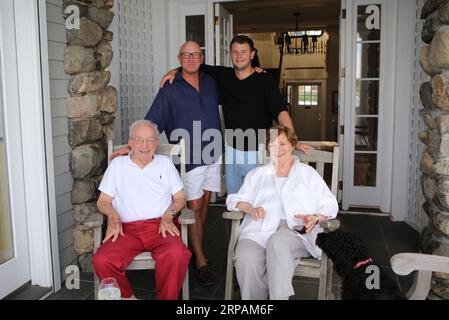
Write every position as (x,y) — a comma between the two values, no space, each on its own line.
(269,272)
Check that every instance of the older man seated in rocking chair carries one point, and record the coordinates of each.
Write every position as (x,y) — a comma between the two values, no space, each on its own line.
(141,195)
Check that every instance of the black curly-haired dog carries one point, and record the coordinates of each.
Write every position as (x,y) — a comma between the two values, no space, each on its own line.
(351,259)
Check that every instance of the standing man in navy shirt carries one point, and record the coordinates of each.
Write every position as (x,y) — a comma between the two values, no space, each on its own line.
(188,108)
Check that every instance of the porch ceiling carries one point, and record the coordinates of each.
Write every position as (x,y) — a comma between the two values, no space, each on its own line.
(277,15)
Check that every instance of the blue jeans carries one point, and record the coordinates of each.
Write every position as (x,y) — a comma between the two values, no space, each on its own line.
(237,165)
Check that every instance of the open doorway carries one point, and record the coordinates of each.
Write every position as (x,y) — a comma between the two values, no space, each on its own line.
(307,34)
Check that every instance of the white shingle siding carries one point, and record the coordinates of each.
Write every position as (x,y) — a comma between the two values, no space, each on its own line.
(58,92)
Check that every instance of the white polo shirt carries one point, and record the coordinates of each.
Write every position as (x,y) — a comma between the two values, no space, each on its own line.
(141,194)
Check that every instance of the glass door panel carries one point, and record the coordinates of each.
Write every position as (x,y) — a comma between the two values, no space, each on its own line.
(368,22)
(195,30)
(367,78)
(367,97)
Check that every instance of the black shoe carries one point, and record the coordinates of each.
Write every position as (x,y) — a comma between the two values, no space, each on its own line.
(204,276)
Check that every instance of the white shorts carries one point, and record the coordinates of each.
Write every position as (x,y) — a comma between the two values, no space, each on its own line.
(207,177)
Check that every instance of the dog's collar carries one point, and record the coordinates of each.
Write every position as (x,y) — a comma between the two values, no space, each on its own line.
(362,263)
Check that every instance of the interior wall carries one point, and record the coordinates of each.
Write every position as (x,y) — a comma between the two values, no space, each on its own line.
(307,67)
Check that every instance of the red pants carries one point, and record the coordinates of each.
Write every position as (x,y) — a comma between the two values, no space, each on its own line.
(170,254)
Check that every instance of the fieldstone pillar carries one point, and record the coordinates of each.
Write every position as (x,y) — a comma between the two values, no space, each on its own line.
(90,112)
(435,159)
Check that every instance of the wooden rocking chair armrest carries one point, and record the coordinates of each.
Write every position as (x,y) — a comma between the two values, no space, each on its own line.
(405,263)
(330,225)
(233,215)
(187,216)
(95,222)
(327,225)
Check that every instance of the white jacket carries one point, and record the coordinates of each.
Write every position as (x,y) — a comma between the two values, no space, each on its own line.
(304,192)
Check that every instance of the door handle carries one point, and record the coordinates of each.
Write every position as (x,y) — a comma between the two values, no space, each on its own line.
(319,116)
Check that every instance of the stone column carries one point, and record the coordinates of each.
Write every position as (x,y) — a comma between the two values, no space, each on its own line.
(90,111)
(435,159)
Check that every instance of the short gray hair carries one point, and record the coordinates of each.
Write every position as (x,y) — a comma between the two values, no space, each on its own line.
(143,122)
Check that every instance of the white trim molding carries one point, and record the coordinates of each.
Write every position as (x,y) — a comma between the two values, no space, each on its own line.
(48,134)
(177,10)
(33,141)
(402,108)
(16,271)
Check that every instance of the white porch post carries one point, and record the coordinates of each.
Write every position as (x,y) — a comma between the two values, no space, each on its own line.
(33,139)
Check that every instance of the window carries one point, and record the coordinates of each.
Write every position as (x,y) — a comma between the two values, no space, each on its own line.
(308,95)
(195,30)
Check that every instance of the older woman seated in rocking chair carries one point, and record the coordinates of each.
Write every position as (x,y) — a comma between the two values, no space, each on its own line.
(284,202)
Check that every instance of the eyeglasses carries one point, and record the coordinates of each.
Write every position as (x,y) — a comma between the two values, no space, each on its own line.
(194,55)
(140,140)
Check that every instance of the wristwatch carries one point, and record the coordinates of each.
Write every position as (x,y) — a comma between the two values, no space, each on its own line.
(173,213)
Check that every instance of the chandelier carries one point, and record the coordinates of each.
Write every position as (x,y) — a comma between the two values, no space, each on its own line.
(300,42)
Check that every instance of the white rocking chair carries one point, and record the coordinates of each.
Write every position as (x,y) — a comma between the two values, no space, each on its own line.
(308,267)
(144,261)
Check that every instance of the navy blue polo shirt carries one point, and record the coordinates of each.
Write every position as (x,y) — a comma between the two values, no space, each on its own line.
(178,106)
